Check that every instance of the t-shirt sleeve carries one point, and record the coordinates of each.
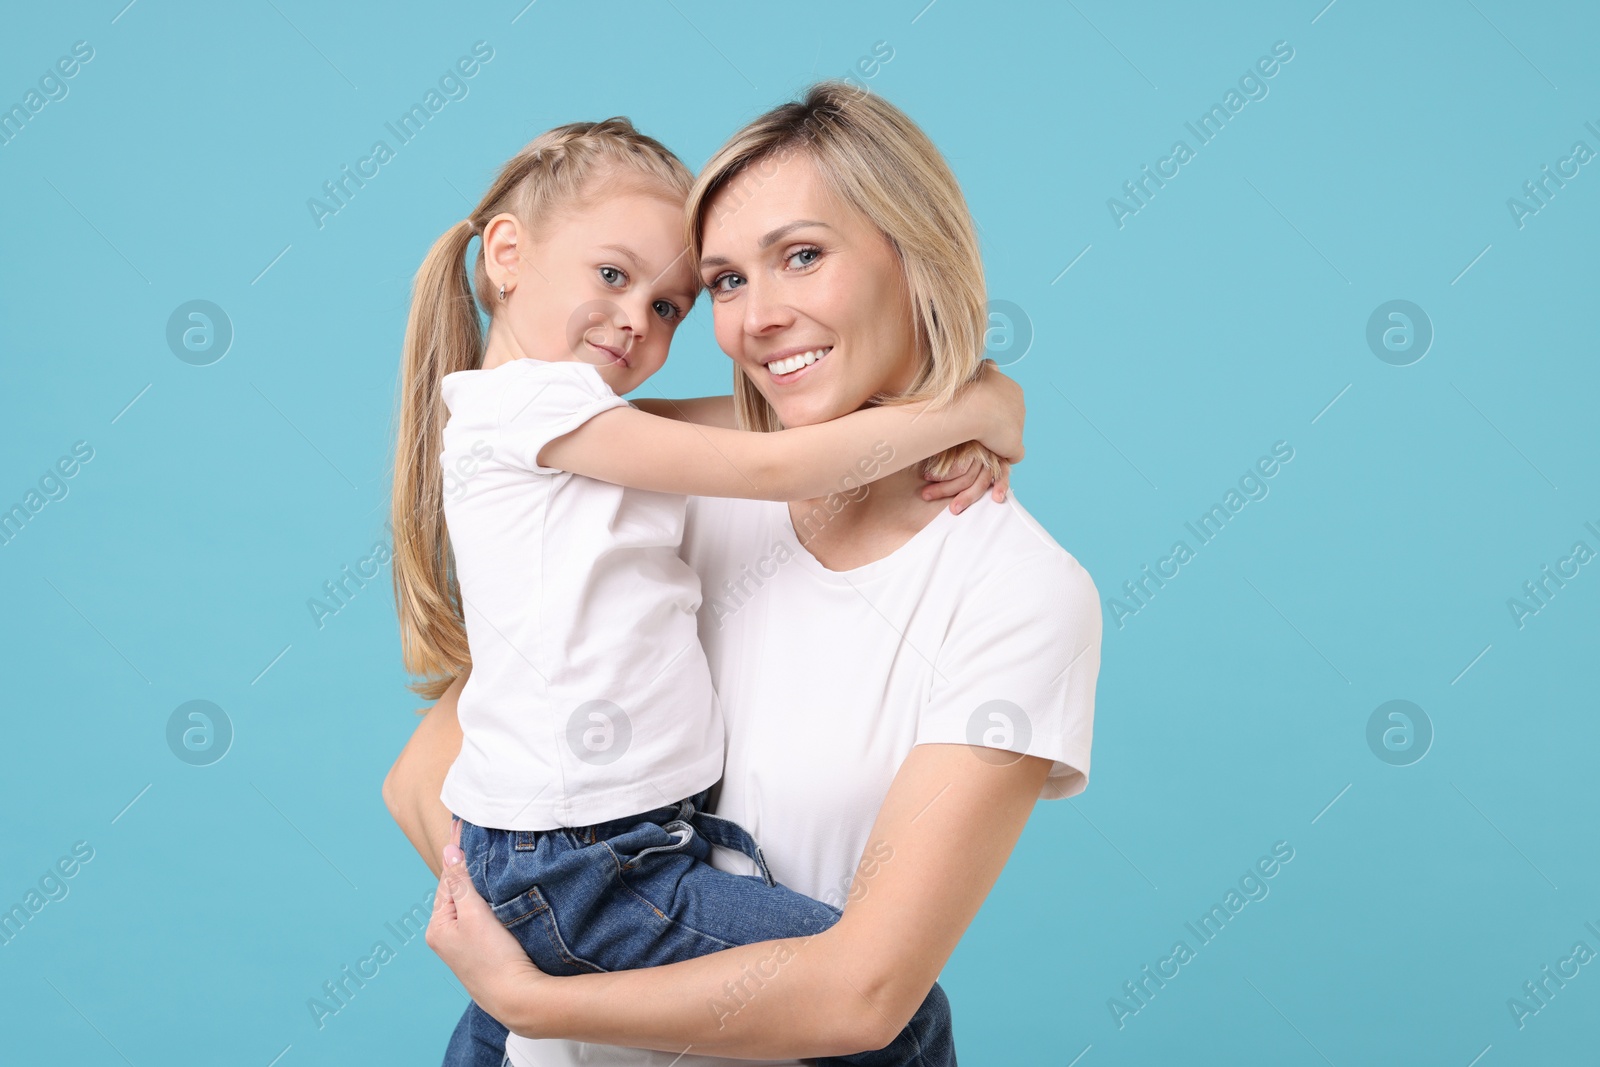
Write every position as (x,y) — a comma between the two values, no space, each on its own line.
(1017,671)
(552,400)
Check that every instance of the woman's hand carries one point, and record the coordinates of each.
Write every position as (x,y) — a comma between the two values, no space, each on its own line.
(1000,402)
(484,956)
(973,471)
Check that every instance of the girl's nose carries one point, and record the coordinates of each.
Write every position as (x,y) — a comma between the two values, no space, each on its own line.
(632,331)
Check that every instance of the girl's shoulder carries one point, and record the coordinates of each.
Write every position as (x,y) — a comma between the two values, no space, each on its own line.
(515,386)
(518,373)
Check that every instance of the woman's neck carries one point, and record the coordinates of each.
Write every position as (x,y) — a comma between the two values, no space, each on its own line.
(884,515)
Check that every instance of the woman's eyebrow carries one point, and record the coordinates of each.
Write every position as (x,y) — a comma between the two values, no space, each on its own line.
(767,241)
(783,231)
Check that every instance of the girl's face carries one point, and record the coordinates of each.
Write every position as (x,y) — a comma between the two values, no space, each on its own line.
(808,297)
(606,283)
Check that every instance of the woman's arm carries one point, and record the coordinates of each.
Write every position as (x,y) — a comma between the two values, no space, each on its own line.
(944,833)
(702,410)
(411,788)
(627,446)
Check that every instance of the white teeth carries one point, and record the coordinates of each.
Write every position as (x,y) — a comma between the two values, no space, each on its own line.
(793,363)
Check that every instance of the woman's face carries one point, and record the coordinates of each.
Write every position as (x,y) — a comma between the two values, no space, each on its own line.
(796,275)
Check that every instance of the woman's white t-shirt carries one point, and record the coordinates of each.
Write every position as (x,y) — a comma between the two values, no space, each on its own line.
(979,630)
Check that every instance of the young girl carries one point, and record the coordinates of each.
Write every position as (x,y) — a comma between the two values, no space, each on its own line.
(591,730)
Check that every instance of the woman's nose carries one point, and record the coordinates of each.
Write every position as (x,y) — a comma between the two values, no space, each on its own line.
(763,312)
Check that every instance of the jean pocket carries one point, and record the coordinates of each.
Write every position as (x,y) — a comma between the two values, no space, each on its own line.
(531,921)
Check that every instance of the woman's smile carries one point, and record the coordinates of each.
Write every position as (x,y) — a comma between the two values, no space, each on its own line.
(791,364)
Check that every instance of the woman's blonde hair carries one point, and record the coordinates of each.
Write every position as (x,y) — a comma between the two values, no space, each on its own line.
(875,159)
(555,171)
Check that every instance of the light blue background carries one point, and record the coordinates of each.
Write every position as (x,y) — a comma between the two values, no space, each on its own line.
(1228,314)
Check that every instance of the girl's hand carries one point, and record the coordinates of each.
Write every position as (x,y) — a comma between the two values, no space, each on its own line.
(973,472)
(1000,404)
(484,956)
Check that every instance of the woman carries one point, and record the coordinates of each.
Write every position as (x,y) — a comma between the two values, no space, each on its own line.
(899,684)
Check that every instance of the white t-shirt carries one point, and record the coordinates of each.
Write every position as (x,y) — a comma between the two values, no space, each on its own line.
(978,630)
(590,697)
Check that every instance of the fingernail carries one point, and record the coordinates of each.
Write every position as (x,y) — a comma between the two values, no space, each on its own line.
(453,855)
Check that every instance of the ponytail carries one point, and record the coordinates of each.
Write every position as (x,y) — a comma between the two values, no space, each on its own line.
(442,336)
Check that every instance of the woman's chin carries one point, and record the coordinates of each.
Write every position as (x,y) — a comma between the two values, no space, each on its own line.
(813,409)
(806,413)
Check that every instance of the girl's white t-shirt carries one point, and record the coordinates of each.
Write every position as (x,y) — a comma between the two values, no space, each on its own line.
(590,697)
(979,630)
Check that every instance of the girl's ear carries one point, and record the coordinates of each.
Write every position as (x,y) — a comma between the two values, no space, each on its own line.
(502,252)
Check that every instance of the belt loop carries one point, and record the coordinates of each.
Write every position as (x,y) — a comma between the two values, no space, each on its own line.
(728,834)
(761,862)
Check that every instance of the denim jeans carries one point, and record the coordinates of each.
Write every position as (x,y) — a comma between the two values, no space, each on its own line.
(641,892)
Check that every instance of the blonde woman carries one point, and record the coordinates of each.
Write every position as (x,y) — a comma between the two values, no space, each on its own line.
(590,729)
(899,686)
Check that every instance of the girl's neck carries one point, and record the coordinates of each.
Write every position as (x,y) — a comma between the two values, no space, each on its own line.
(502,348)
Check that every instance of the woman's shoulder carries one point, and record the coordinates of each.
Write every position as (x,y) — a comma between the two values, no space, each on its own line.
(1005,546)
(725,528)
(722,510)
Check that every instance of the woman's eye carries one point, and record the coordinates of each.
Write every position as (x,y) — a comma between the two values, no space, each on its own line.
(667,310)
(804,257)
(724,283)
(612,275)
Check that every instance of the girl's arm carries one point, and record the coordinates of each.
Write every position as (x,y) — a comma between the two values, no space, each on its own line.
(627,446)
(971,475)
(944,833)
(702,410)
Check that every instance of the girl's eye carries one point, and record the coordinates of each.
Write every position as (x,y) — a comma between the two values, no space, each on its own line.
(725,283)
(804,257)
(613,276)
(667,310)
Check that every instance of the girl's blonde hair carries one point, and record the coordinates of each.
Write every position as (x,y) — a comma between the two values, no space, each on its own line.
(553,172)
(874,158)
